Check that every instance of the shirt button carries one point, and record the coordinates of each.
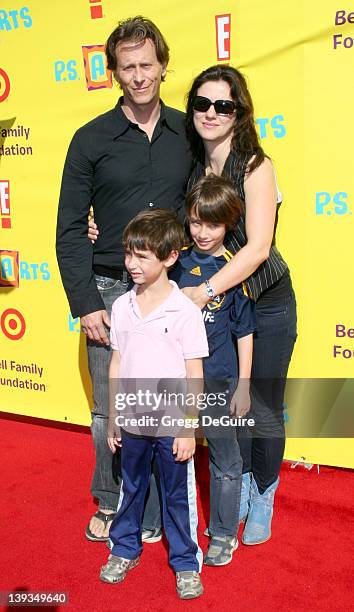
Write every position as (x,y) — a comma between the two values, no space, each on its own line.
(151,204)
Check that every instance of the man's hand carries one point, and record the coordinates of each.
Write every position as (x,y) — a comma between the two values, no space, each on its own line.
(241,401)
(197,295)
(183,448)
(115,442)
(92,231)
(93,325)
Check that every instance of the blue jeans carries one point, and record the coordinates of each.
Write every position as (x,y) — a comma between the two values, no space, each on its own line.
(106,480)
(262,449)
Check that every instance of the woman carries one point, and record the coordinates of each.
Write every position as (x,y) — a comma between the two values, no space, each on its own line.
(221,130)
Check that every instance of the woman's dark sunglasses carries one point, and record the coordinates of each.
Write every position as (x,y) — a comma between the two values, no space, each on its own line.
(222,107)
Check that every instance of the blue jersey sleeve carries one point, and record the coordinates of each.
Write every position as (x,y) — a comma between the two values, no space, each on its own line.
(242,314)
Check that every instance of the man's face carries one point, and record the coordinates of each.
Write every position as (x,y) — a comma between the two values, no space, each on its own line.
(139,72)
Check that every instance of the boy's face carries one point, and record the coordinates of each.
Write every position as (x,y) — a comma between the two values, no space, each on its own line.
(208,237)
(145,268)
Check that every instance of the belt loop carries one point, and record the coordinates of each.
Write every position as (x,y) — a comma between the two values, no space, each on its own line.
(125,276)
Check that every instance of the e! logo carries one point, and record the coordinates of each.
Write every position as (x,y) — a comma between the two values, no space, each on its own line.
(223,35)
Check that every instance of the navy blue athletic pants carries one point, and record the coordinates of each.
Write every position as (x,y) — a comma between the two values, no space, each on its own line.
(178,491)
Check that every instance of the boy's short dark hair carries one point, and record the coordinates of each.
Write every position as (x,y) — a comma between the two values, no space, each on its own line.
(156,230)
(136,29)
(213,199)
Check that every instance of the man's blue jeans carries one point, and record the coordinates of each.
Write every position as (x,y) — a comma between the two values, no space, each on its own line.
(106,480)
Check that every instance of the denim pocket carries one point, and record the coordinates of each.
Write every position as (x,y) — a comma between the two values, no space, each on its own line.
(272,310)
(278,318)
(104,283)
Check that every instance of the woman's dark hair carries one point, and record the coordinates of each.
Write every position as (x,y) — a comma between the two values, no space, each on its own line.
(245,138)
(156,230)
(136,29)
(213,199)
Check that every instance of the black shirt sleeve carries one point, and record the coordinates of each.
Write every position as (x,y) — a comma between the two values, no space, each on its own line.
(74,250)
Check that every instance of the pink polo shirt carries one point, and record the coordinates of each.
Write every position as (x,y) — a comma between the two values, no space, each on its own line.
(157,346)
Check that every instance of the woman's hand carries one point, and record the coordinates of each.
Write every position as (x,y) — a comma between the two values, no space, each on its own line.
(197,295)
(92,232)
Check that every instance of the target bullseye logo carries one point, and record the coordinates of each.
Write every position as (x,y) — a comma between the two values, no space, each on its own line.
(4,85)
(13,324)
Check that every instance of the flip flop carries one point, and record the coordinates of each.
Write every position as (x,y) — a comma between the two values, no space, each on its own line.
(105,518)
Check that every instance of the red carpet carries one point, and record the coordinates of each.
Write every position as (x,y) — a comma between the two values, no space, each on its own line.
(306,566)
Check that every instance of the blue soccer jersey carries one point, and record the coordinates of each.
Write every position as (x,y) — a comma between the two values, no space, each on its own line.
(229,316)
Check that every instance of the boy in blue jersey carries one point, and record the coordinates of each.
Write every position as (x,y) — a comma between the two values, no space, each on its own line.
(212,209)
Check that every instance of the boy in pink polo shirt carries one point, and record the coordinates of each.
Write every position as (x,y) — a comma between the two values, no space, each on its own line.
(156,333)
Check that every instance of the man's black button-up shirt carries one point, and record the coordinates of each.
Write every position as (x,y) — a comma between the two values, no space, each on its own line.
(112,166)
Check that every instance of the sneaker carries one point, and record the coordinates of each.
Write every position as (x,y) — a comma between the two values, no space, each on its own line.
(220,551)
(150,536)
(117,568)
(188,585)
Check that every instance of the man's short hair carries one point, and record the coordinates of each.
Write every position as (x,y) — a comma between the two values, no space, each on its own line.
(136,29)
(156,230)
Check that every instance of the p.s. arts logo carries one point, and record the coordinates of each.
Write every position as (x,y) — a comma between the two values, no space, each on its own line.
(4,85)
(330,204)
(15,18)
(271,126)
(12,324)
(9,271)
(96,73)
(12,270)
(97,76)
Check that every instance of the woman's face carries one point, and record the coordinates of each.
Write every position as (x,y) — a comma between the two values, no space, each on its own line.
(211,126)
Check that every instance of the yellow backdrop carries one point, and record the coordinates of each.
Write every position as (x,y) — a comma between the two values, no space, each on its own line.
(298,59)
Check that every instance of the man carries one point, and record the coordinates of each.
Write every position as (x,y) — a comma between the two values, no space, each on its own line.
(131,158)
